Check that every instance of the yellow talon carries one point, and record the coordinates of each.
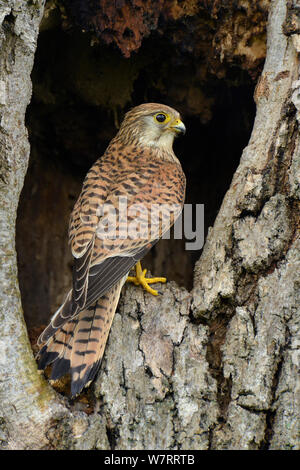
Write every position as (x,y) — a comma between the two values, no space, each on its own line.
(140,280)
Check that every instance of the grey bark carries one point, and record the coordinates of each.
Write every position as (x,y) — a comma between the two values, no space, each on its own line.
(26,404)
(249,269)
(217,368)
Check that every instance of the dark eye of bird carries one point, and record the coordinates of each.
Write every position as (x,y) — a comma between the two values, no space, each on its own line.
(160,117)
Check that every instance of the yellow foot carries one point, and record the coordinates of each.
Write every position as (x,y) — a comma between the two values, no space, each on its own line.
(140,279)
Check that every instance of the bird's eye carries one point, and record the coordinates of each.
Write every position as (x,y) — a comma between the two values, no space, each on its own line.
(160,117)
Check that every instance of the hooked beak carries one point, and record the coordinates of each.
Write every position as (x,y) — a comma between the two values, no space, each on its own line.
(178,127)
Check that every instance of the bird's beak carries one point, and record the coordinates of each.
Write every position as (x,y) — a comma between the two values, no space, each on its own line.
(178,127)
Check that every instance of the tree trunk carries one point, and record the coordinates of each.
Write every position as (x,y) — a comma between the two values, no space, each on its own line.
(218,368)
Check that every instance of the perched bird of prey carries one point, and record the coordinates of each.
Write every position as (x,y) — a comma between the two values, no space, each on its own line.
(140,168)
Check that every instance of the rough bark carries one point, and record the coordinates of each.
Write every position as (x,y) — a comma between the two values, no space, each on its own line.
(217,368)
(249,270)
(26,402)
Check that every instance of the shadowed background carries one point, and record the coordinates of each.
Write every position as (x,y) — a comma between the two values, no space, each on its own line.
(93,64)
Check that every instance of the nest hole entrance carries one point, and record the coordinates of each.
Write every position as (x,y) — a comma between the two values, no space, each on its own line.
(80,94)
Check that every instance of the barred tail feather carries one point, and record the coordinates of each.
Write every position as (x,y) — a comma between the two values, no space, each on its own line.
(78,346)
(66,311)
(90,337)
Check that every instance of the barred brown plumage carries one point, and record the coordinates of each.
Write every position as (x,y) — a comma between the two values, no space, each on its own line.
(139,165)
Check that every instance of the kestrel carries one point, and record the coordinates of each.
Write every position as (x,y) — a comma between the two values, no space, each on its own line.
(138,171)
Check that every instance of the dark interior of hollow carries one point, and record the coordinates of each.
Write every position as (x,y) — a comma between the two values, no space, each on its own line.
(70,121)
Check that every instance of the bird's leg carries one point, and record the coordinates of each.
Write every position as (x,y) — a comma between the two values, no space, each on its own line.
(140,279)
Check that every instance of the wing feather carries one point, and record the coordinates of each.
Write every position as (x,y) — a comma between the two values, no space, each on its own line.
(110,271)
(100,263)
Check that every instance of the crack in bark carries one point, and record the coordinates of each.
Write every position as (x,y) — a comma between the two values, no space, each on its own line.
(271,413)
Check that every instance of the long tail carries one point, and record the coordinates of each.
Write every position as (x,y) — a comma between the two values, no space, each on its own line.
(77,346)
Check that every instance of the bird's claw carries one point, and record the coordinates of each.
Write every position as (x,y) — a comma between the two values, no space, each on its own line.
(140,279)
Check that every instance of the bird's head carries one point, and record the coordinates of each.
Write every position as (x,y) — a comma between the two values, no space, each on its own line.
(152,124)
